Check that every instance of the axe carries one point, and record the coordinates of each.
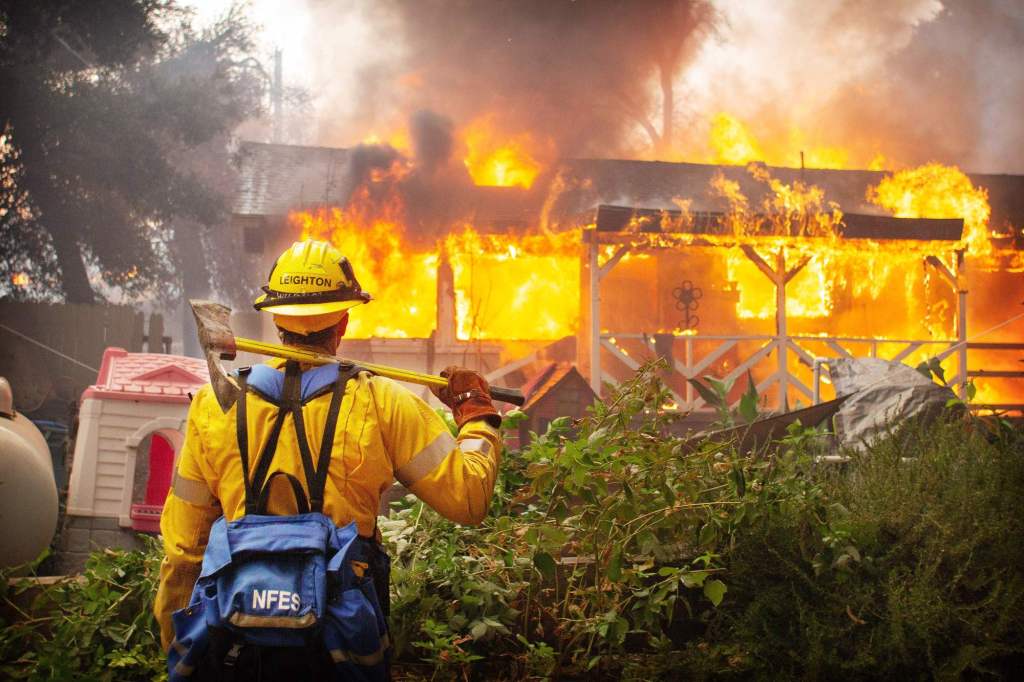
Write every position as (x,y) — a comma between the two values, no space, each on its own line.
(220,343)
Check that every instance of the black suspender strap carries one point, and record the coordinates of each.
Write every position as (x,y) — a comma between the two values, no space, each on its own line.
(289,392)
(319,481)
(301,503)
(257,487)
(242,434)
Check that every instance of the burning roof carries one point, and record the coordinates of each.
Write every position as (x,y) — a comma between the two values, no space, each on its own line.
(276,179)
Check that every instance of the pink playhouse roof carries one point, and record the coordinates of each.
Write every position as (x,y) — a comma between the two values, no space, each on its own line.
(154,377)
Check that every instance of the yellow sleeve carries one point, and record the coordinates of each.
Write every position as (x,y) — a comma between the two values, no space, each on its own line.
(455,476)
(189,511)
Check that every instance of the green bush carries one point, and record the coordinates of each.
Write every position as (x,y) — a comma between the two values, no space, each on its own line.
(96,627)
(906,564)
(615,549)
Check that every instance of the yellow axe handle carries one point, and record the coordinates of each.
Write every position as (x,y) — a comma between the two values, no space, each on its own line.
(507,395)
(314,358)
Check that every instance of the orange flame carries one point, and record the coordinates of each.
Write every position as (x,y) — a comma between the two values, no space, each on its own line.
(732,143)
(507,286)
(495,161)
(21,279)
(937,191)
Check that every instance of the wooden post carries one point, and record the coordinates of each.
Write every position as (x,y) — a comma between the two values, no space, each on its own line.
(594,292)
(961,325)
(781,339)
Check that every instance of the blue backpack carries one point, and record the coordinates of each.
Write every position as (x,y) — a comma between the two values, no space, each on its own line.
(292,597)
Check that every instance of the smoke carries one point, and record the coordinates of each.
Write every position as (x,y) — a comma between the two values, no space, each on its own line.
(432,139)
(582,76)
(911,80)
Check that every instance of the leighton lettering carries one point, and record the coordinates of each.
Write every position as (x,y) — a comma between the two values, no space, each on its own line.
(306,280)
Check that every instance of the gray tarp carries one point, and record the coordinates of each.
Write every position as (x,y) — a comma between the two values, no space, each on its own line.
(882,394)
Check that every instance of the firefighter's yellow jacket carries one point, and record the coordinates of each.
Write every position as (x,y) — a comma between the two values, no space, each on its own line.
(384,433)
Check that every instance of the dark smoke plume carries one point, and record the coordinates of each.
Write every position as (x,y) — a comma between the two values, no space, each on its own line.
(583,75)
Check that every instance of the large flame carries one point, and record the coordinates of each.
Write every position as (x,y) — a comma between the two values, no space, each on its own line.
(515,287)
(402,280)
(506,286)
(937,191)
(495,159)
(732,143)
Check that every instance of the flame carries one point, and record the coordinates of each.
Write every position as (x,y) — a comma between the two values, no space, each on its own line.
(398,138)
(21,279)
(402,281)
(495,161)
(937,191)
(515,287)
(732,143)
(507,286)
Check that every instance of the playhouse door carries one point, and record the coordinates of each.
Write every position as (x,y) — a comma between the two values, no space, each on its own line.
(161,465)
(153,468)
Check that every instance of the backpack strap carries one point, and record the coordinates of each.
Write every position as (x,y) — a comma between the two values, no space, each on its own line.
(301,502)
(254,484)
(290,402)
(319,481)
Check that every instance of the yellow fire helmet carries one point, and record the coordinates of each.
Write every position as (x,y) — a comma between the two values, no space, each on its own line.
(311,278)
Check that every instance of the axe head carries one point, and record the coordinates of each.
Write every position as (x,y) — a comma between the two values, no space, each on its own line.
(218,343)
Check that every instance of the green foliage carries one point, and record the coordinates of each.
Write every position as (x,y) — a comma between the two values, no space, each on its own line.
(97,627)
(617,549)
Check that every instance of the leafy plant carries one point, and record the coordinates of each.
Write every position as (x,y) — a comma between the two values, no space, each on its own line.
(618,549)
(98,626)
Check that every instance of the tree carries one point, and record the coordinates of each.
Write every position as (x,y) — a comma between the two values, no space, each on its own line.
(108,99)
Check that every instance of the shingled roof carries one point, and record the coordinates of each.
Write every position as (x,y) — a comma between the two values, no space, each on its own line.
(275,178)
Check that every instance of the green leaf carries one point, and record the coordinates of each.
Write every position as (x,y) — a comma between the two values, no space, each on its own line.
(614,571)
(748,402)
(715,590)
(694,579)
(478,630)
(748,407)
(706,394)
(935,365)
(708,535)
(738,480)
(545,563)
(971,390)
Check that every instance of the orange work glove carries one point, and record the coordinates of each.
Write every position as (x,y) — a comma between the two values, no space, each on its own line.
(468,395)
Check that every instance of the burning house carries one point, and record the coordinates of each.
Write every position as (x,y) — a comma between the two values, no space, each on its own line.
(720,270)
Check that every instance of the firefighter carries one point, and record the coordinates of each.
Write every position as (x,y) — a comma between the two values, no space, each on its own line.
(384,433)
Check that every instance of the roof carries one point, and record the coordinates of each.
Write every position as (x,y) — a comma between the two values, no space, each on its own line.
(152,377)
(854,225)
(656,184)
(276,178)
(545,381)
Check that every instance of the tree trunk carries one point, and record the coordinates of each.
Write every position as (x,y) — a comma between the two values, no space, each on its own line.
(74,279)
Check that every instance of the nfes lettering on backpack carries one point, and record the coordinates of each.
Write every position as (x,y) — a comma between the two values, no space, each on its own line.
(282,600)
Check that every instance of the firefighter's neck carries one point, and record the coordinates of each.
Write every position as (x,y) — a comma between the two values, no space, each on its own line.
(328,348)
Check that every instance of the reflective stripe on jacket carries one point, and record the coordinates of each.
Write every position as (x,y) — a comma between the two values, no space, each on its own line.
(384,433)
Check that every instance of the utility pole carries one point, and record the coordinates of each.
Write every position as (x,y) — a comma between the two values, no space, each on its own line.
(276,98)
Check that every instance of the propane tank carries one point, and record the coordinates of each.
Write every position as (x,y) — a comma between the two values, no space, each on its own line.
(28,491)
